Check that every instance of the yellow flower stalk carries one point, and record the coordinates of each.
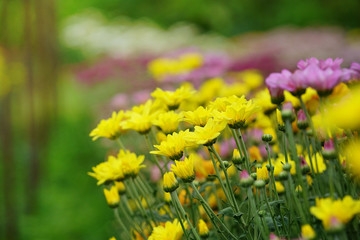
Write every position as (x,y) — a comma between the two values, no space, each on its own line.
(307,232)
(207,135)
(184,169)
(168,121)
(112,196)
(203,229)
(198,117)
(174,145)
(171,230)
(131,164)
(335,213)
(109,128)
(170,183)
(173,99)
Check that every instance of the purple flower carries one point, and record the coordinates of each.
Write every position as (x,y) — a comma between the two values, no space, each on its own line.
(276,81)
(355,66)
(323,64)
(321,80)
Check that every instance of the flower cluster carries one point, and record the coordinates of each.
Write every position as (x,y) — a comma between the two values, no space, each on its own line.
(226,161)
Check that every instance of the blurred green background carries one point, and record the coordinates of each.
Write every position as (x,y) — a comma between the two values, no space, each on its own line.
(46,114)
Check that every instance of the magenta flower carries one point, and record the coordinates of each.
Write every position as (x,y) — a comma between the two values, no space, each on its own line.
(323,64)
(321,80)
(275,83)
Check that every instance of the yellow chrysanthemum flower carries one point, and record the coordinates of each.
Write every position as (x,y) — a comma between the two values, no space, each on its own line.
(236,89)
(131,164)
(171,230)
(173,99)
(110,170)
(262,173)
(334,213)
(170,183)
(112,196)
(198,117)
(239,112)
(160,68)
(109,128)
(252,78)
(167,197)
(168,121)
(279,119)
(279,187)
(184,169)
(263,100)
(352,152)
(203,229)
(307,232)
(254,154)
(203,167)
(141,117)
(207,135)
(209,90)
(345,114)
(317,162)
(220,103)
(174,145)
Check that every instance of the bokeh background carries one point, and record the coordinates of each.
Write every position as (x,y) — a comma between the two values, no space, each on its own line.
(66,64)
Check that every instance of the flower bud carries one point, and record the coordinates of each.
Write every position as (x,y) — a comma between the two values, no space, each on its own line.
(287,111)
(245,179)
(226,165)
(267,137)
(112,196)
(302,122)
(287,167)
(170,183)
(203,229)
(120,187)
(236,157)
(253,175)
(259,183)
(283,175)
(261,213)
(329,151)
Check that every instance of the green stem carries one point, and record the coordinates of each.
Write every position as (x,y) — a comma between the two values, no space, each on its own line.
(297,163)
(121,144)
(237,141)
(255,212)
(211,213)
(185,215)
(136,184)
(155,160)
(178,214)
(226,178)
(116,213)
(220,179)
(247,160)
(271,213)
(271,174)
